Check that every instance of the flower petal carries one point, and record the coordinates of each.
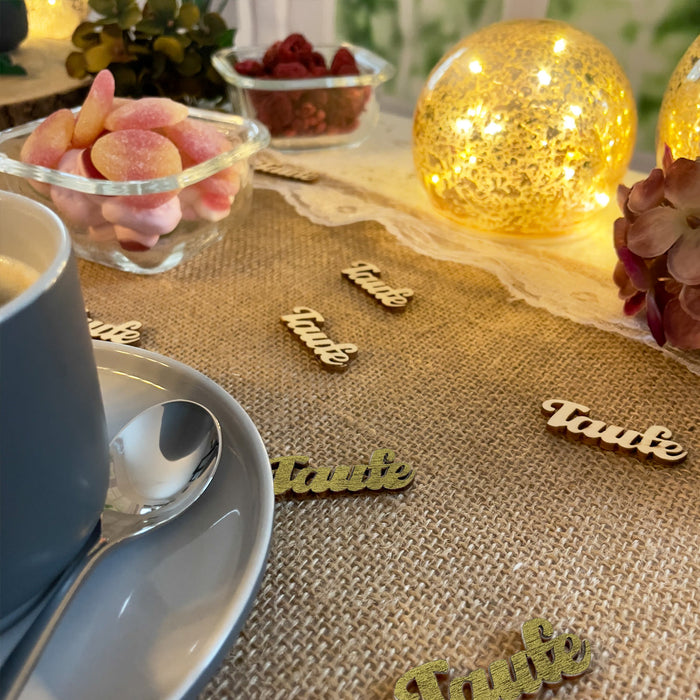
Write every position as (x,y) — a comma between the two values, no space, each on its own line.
(690,300)
(655,231)
(684,258)
(623,192)
(620,228)
(682,186)
(659,269)
(634,304)
(682,330)
(655,318)
(635,267)
(620,277)
(673,287)
(667,159)
(648,193)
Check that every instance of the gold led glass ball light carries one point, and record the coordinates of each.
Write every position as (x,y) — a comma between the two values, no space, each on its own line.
(679,116)
(524,128)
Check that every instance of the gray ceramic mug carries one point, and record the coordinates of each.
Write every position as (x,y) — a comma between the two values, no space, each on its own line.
(54,464)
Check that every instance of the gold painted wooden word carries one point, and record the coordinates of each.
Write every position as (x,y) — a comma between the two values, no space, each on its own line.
(572,419)
(265,162)
(126,333)
(553,659)
(331,355)
(361,274)
(292,474)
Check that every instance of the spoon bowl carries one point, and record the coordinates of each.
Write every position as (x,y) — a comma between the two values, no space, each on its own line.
(160,464)
(181,461)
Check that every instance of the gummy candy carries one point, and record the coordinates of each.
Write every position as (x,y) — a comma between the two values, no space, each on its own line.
(153,220)
(197,140)
(120,139)
(50,140)
(129,239)
(77,207)
(46,145)
(137,154)
(98,103)
(102,233)
(146,113)
(211,206)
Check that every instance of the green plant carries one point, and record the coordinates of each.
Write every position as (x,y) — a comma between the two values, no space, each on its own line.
(163,49)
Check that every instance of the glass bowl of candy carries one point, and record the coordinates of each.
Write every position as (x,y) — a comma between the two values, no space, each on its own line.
(142,185)
(308,97)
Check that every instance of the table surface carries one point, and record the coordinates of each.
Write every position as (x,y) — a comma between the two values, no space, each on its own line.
(44,60)
(504,522)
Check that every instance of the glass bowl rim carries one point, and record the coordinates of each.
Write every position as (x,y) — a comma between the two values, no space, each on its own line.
(378,70)
(256,133)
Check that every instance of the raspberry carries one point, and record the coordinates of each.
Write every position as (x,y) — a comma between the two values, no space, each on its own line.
(305,112)
(294,48)
(249,67)
(274,109)
(290,70)
(315,62)
(344,63)
(271,57)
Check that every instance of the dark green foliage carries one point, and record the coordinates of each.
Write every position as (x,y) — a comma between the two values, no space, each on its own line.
(681,18)
(163,50)
(7,67)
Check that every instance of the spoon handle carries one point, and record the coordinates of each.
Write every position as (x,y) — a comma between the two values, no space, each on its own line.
(18,666)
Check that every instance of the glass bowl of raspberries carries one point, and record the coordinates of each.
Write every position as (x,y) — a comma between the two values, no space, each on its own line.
(142,185)
(307,96)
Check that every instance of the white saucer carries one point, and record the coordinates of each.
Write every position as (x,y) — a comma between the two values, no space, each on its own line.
(159,614)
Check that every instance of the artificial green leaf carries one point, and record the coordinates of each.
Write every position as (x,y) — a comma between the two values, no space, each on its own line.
(159,64)
(214,23)
(188,16)
(129,17)
(137,49)
(171,47)
(124,79)
(150,26)
(75,65)
(225,38)
(106,8)
(124,6)
(198,36)
(166,9)
(84,36)
(203,5)
(112,32)
(97,58)
(191,64)
(114,43)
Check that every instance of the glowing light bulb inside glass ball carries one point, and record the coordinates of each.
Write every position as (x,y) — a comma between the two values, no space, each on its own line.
(679,116)
(524,128)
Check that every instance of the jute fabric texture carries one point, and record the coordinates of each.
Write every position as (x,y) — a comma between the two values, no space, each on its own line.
(504,522)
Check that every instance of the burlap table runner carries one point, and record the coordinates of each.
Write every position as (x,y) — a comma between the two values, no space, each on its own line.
(504,522)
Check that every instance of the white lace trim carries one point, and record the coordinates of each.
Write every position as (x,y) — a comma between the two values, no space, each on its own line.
(569,277)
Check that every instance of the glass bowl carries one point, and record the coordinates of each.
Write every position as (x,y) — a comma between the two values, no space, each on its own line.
(87,205)
(308,113)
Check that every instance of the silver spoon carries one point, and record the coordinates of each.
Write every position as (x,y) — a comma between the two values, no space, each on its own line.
(160,463)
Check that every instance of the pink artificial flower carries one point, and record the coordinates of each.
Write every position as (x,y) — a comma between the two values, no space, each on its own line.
(672,224)
(658,248)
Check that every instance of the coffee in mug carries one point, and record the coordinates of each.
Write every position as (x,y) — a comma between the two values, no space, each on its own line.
(54,464)
(15,277)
